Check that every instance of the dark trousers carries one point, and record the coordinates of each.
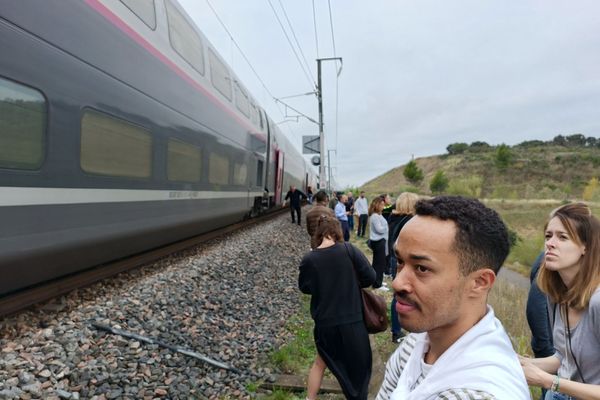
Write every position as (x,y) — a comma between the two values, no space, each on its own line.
(298,213)
(379,260)
(362,224)
(351,222)
(345,230)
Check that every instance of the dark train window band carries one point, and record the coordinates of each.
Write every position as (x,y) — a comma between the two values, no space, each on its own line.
(184,162)
(23,116)
(113,147)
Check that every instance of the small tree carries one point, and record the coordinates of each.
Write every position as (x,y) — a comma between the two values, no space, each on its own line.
(439,182)
(413,173)
(457,148)
(591,190)
(503,156)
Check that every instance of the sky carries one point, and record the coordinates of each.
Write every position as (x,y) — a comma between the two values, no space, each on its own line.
(416,75)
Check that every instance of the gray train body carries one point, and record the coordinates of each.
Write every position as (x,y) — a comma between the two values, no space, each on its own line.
(119,134)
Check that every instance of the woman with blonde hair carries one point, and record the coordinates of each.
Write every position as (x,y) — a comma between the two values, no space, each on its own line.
(404,210)
(332,274)
(378,236)
(570,277)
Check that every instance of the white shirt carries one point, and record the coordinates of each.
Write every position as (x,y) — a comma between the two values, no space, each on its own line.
(361,206)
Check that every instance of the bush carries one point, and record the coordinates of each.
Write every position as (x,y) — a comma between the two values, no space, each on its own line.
(439,182)
(413,173)
(503,157)
(470,186)
(457,148)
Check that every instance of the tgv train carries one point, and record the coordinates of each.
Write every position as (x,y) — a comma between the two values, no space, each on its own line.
(122,129)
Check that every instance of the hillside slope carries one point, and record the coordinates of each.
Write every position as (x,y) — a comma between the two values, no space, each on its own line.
(543,171)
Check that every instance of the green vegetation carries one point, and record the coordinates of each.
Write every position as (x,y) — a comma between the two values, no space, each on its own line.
(413,173)
(439,182)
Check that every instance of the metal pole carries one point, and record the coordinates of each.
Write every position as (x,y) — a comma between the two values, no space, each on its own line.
(329,169)
(321,135)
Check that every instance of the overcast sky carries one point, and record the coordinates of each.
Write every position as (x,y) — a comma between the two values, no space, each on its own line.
(417,75)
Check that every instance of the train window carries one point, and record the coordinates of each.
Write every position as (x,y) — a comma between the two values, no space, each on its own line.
(22,126)
(254,114)
(113,147)
(218,169)
(219,75)
(241,100)
(184,162)
(144,9)
(240,174)
(184,38)
(259,173)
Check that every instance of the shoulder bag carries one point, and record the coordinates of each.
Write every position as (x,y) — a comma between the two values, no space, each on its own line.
(374,306)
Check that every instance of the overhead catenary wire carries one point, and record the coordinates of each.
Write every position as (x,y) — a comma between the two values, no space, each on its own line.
(315,25)
(296,40)
(337,79)
(308,76)
(249,64)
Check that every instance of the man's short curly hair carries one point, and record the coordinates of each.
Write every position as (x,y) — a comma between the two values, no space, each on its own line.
(481,239)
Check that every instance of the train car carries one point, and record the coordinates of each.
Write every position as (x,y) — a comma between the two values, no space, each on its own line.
(122,129)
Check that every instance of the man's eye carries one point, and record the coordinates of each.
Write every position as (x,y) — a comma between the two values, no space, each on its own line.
(421,268)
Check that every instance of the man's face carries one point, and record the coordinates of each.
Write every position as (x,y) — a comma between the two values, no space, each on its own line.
(428,287)
(344,198)
(362,194)
(292,188)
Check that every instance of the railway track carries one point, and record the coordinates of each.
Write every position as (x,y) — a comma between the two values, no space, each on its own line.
(22,299)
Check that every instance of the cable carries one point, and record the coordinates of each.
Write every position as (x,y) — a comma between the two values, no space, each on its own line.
(291,45)
(331,23)
(296,39)
(315,24)
(241,52)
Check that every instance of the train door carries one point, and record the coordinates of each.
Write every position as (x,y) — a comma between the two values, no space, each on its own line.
(278,176)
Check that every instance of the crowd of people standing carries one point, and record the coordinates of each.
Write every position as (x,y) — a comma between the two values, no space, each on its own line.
(443,255)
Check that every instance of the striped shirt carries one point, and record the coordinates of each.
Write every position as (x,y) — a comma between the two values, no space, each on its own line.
(396,364)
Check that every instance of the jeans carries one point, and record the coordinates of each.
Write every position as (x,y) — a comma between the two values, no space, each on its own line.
(298,213)
(351,222)
(345,230)
(550,395)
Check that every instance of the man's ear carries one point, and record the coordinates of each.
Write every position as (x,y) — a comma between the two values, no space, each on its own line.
(482,281)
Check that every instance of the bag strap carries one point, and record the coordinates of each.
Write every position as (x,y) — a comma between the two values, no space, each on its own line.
(353,267)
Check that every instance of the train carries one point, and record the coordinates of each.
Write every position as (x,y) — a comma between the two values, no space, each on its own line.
(122,129)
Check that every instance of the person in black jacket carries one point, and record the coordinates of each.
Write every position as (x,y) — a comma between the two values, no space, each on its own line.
(295,196)
(332,274)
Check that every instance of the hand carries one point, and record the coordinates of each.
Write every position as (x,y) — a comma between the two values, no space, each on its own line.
(534,375)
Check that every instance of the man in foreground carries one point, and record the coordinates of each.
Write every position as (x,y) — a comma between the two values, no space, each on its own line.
(448,256)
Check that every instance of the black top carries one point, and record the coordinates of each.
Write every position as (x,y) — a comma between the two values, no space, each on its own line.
(328,275)
(395,224)
(295,197)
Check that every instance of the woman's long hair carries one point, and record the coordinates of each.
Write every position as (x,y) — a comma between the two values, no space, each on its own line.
(584,229)
(328,226)
(374,207)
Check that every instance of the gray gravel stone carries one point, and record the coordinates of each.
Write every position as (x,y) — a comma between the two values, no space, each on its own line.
(228,299)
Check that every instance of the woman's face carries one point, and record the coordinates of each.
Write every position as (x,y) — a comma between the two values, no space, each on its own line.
(562,252)
(380,207)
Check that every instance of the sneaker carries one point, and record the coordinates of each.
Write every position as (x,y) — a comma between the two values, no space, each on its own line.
(383,289)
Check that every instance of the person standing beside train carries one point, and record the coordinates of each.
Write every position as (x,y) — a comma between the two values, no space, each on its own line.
(319,208)
(378,235)
(570,277)
(350,210)
(361,207)
(340,334)
(295,197)
(342,215)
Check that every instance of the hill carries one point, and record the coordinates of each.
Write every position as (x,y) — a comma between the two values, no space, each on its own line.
(564,168)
